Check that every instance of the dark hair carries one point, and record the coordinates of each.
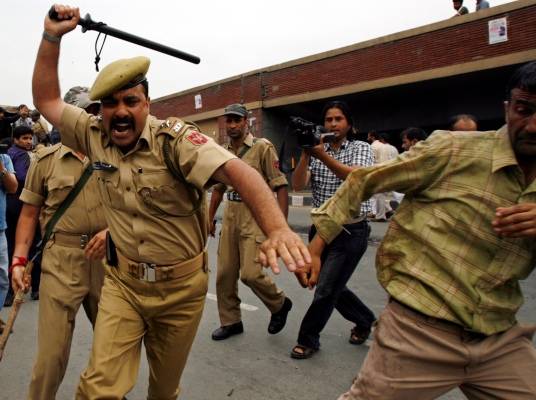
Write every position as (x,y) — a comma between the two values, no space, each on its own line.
(2,110)
(345,109)
(384,136)
(21,130)
(413,133)
(22,105)
(374,134)
(462,117)
(523,78)
(145,84)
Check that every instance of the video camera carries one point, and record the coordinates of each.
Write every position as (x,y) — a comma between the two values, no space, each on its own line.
(309,134)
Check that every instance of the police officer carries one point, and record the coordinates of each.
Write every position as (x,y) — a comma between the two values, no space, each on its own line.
(72,270)
(152,176)
(240,234)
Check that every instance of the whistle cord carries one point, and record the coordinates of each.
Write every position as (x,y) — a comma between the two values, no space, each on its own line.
(98,52)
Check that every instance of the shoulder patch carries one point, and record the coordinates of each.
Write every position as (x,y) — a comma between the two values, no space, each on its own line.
(46,151)
(172,127)
(196,138)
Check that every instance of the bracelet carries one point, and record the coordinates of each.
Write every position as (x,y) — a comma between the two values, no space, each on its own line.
(22,260)
(15,265)
(51,38)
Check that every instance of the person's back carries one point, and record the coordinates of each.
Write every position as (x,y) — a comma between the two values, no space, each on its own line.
(452,259)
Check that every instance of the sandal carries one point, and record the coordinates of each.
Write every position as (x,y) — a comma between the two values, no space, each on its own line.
(358,335)
(300,352)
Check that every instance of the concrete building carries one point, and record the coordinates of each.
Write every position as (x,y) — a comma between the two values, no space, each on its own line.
(419,77)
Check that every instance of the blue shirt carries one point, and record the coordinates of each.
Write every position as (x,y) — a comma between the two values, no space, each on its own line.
(8,165)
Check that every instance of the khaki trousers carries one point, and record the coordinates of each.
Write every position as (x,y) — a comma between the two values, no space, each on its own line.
(414,357)
(237,252)
(68,279)
(164,315)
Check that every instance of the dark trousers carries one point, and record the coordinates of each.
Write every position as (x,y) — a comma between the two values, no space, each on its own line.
(339,260)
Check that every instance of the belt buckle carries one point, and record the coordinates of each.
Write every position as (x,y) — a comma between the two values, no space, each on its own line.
(149,273)
(84,239)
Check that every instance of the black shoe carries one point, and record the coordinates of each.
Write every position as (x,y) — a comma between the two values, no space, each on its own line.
(279,319)
(223,332)
(8,302)
(35,295)
(359,335)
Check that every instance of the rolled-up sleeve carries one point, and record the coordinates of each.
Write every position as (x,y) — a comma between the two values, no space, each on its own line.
(270,166)
(34,191)
(198,157)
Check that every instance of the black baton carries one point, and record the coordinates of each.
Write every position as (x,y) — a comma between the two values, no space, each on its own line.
(88,24)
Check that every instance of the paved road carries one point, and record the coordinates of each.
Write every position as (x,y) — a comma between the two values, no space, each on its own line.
(254,365)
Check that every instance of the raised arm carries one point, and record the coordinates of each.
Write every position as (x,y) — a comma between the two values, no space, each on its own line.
(301,175)
(45,81)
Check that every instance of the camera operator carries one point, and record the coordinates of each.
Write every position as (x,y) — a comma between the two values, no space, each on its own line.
(326,166)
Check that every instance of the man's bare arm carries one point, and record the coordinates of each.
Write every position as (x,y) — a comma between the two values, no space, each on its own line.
(9,180)
(301,175)
(215,200)
(24,237)
(282,199)
(45,81)
(259,198)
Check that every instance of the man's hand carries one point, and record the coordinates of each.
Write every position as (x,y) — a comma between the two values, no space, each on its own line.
(308,276)
(285,244)
(316,151)
(68,18)
(516,221)
(19,280)
(96,248)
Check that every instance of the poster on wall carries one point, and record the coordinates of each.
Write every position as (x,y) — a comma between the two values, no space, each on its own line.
(198,101)
(498,30)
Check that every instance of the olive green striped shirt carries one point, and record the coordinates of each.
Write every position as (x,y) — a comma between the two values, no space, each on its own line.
(440,255)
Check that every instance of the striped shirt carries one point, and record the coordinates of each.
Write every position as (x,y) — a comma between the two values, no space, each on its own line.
(324,183)
(441,255)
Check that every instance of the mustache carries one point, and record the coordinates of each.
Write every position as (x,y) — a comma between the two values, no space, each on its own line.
(524,135)
(121,120)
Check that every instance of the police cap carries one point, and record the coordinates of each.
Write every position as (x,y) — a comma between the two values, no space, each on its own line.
(119,75)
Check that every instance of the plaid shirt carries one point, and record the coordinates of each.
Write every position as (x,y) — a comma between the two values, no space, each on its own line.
(325,183)
(441,255)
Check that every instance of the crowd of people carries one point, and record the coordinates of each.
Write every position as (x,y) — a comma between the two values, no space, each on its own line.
(119,204)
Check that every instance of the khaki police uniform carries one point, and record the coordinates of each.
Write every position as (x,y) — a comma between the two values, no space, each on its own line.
(68,279)
(157,291)
(241,236)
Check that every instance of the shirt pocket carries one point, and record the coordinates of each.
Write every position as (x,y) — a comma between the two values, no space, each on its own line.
(108,183)
(162,194)
(58,189)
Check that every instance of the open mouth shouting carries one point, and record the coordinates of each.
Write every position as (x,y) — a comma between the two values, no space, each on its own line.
(122,127)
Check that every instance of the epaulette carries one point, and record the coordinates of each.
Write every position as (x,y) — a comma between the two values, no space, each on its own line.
(175,127)
(46,151)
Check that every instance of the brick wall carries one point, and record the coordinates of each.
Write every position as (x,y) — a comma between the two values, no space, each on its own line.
(448,46)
